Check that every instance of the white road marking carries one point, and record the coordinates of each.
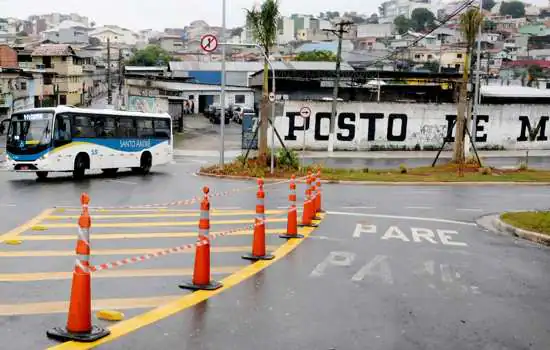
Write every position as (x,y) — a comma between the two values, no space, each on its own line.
(415,218)
(445,273)
(358,207)
(360,228)
(395,232)
(334,259)
(123,182)
(418,234)
(446,239)
(8,205)
(383,271)
(469,209)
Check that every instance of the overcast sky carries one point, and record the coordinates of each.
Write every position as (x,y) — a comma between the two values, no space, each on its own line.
(159,14)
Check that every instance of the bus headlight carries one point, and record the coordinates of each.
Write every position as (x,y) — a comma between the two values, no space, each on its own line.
(44,157)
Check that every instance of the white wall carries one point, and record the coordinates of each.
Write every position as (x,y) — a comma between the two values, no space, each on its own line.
(397,126)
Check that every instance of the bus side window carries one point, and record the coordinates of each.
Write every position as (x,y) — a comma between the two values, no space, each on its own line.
(126,127)
(162,128)
(109,127)
(62,132)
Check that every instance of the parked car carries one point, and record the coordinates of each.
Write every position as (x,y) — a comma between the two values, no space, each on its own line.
(239,111)
(215,117)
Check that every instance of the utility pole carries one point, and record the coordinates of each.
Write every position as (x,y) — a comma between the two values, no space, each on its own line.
(222,93)
(120,78)
(109,91)
(339,32)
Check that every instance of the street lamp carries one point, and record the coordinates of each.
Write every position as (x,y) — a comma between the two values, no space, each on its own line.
(222,95)
(270,64)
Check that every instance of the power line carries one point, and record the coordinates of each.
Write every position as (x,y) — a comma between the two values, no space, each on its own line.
(441,23)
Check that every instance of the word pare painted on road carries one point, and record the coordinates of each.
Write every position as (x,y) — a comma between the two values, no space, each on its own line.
(417,235)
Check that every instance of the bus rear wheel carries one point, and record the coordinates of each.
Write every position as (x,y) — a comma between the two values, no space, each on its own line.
(145,164)
(41,175)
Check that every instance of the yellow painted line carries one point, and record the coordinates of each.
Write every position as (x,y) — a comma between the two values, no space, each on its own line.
(51,276)
(56,307)
(26,226)
(180,215)
(159,223)
(129,252)
(187,301)
(140,235)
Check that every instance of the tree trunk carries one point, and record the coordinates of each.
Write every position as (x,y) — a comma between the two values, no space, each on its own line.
(458,156)
(264,110)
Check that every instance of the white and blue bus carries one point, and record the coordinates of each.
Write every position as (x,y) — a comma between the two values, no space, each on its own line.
(68,139)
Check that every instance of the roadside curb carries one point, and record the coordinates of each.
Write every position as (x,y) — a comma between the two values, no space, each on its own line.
(518,232)
(381,183)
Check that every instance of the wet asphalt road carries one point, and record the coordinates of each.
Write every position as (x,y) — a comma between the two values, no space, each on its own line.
(389,268)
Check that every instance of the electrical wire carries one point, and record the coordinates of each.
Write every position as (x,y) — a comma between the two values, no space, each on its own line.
(416,41)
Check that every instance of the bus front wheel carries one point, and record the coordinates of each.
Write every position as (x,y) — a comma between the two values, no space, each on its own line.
(41,175)
(80,165)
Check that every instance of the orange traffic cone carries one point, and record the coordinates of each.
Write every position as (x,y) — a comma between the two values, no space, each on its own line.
(79,324)
(307,214)
(314,194)
(258,244)
(201,273)
(319,194)
(292,222)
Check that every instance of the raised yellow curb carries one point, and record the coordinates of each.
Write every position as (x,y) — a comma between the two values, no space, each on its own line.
(109,315)
(13,241)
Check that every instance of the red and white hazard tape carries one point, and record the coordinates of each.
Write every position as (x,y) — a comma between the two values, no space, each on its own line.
(186,202)
(174,250)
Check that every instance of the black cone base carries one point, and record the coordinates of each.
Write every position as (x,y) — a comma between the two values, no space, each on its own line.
(311,225)
(213,285)
(289,236)
(62,334)
(252,257)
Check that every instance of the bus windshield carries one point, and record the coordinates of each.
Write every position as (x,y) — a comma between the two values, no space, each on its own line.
(30,130)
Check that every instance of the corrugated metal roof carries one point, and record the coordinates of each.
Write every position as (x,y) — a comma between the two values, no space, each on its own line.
(53,50)
(140,68)
(303,66)
(513,91)
(215,66)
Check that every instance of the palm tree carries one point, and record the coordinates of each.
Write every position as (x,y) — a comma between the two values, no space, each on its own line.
(263,24)
(470,21)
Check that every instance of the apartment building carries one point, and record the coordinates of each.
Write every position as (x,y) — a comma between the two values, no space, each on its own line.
(62,73)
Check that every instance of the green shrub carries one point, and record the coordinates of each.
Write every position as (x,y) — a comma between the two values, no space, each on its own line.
(288,160)
(486,171)
(403,169)
(523,166)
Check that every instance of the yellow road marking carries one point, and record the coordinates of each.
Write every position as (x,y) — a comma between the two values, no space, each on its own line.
(51,276)
(180,215)
(140,235)
(55,307)
(129,252)
(159,223)
(182,303)
(26,226)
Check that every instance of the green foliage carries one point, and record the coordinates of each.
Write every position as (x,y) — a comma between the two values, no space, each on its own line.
(288,160)
(150,56)
(489,26)
(422,19)
(263,23)
(402,24)
(403,169)
(469,25)
(486,171)
(488,4)
(516,9)
(316,55)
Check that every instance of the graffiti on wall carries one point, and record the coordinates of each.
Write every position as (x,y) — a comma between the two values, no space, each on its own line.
(367,126)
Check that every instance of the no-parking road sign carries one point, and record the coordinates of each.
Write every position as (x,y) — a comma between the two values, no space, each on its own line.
(305,112)
(209,43)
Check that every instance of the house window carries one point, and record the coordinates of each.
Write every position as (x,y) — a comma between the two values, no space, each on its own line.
(457,67)
(239,99)
(64,58)
(23,85)
(430,57)
(458,55)
(416,56)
